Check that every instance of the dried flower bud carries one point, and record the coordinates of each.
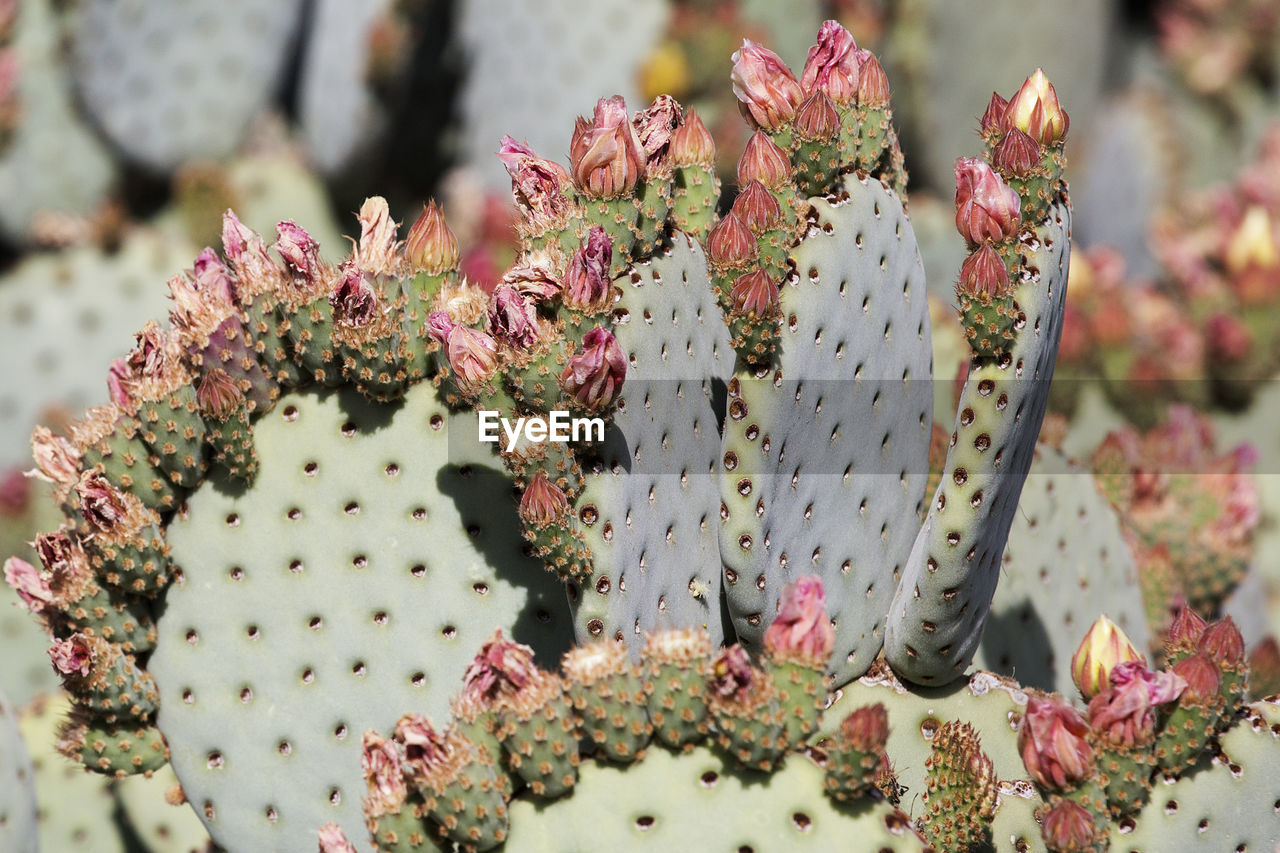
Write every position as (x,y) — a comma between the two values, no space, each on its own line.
(212,280)
(606,158)
(472,354)
(816,119)
(218,396)
(57,460)
(754,293)
(594,375)
(691,143)
(66,565)
(500,670)
(866,729)
(1202,676)
(1223,642)
(731,674)
(801,632)
(762,160)
(537,281)
(121,384)
(986,207)
(1035,110)
(873,83)
(301,254)
(424,748)
(353,299)
(72,656)
(731,243)
(832,65)
(984,274)
(431,246)
(543,502)
(1102,649)
(245,249)
(1016,154)
(512,318)
(537,185)
(101,503)
(30,585)
(148,356)
(334,840)
(1052,742)
(587,285)
(654,127)
(383,774)
(766,89)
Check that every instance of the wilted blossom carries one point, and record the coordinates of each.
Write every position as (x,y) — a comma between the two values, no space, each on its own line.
(439,325)
(425,749)
(1124,712)
(537,185)
(606,158)
(376,253)
(536,279)
(501,669)
(30,584)
(121,383)
(301,254)
(101,503)
(217,395)
(353,299)
(57,460)
(986,207)
(766,89)
(380,760)
(245,249)
(587,285)
(512,318)
(655,126)
(832,65)
(1052,742)
(801,631)
(472,354)
(731,674)
(72,656)
(594,374)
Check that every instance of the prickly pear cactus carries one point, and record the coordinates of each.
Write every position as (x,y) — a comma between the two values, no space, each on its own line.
(17,785)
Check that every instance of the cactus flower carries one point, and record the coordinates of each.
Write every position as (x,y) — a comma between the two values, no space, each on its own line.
(594,374)
(801,632)
(754,293)
(380,761)
(72,656)
(1162,687)
(212,280)
(1035,110)
(1124,713)
(983,273)
(32,587)
(762,160)
(512,318)
(606,157)
(587,285)
(757,208)
(766,89)
(731,674)
(57,460)
(866,729)
(832,65)
(301,254)
(431,246)
(1102,649)
(986,207)
(353,299)
(535,279)
(1067,825)
(691,143)
(1052,742)
(472,354)
(246,251)
(1016,154)
(1223,642)
(873,82)
(334,840)
(218,396)
(731,243)
(537,185)
(654,128)
(543,502)
(101,503)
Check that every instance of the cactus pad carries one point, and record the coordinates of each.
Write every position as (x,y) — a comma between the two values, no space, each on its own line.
(17,786)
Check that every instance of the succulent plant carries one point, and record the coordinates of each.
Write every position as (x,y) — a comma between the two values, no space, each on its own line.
(288,553)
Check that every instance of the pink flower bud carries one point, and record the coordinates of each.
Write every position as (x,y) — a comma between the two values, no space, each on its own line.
(353,299)
(691,143)
(1053,746)
(537,185)
(606,158)
(334,840)
(72,656)
(731,674)
(376,253)
(873,83)
(501,669)
(57,460)
(1068,826)
(121,384)
(754,293)
(587,285)
(246,251)
(986,207)
(816,119)
(301,254)
(766,89)
(757,208)
(762,160)
(431,246)
(472,354)
(512,318)
(212,280)
(867,728)
(993,119)
(1186,628)
(731,243)
(983,273)
(832,65)
(32,587)
(1035,110)
(654,127)
(594,375)
(1016,154)
(439,325)
(801,632)
(1202,676)
(218,396)
(101,503)
(383,774)
(543,502)
(1103,648)
(1223,642)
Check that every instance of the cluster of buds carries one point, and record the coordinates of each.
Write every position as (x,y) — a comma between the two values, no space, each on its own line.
(1172,472)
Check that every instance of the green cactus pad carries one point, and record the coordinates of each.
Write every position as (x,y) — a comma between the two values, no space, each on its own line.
(822,472)
(353,581)
(17,786)
(650,506)
(694,801)
(935,622)
(1056,578)
(162,827)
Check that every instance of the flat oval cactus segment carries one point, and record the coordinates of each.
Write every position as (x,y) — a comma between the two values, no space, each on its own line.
(936,619)
(823,469)
(694,801)
(376,550)
(17,785)
(650,509)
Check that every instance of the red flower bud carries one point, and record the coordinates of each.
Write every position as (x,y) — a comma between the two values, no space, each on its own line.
(873,83)
(1069,826)
(766,89)
(816,119)
(762,160)
(691,143)
(993,118)
(754,293)
(1035,110)
(594,375)
(801,632)
(866,729)
(832,65)
(986,207)
(731,243)
(1053,746)
(757,208)
(543,502)
(1222,642)
(218,396)
(606,157)
(1203,678)
(1016,154)
(431,246)
(983,273)
(1186,628)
